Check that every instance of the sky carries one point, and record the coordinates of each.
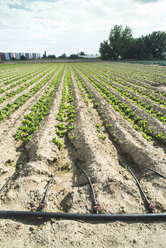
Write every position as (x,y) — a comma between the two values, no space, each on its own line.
(72,26)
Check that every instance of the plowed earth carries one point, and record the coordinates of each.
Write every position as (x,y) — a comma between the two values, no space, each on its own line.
(101,142)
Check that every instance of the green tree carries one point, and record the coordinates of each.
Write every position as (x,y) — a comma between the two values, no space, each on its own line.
(141,49)
(73,56)
(51,56)
(82,53)
(156,44)
(63,56)
(105,50)
(22,57)
(120,41)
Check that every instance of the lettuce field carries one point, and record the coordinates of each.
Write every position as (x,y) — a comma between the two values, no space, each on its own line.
(104,117)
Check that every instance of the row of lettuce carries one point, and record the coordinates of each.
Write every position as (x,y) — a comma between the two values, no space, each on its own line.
(131,94)
(139,123)
(25,83)
(66,114)
(14,74)
(85,78)
(20,100)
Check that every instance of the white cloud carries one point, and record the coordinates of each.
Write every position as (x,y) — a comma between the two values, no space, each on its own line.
(73,25)
(146,1)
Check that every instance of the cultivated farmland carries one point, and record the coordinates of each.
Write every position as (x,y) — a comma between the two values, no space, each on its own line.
(104,117)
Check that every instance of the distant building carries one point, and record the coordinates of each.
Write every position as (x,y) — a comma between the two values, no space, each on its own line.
(2,56)
(38,56)
(7,56)
(27,55)
(17,55)
(89,56)
(11,55)
(34,55)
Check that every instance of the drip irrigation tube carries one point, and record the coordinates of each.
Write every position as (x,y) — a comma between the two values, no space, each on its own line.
(95,205)
(43,202)
(159,174)
(148,204)
(7,182)
(93,217)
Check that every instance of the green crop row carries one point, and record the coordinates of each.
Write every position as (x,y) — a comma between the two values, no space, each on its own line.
(134,98)
(137,122)
(10,108)
(23,87)
(147,74)
(30,76)
(15,78)
(85,92)
(39,110)
(66,112)
(102,76)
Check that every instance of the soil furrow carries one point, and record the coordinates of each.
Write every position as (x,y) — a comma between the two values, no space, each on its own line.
(10,125)
(6,83)
(41,147)
(155,124)
(13,98)
(100,141)
(129,140)
(21,81)
(143,98)
(101,161)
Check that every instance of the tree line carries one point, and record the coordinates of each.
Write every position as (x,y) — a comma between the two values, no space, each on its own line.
(121,44)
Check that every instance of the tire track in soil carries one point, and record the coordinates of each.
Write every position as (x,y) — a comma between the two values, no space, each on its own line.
(143,153)
(8,127)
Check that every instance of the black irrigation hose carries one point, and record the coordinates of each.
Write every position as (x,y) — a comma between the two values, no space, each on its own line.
(43,202)
(87,217)
(148,204)
(159,174)
(95,205)
(7,182)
